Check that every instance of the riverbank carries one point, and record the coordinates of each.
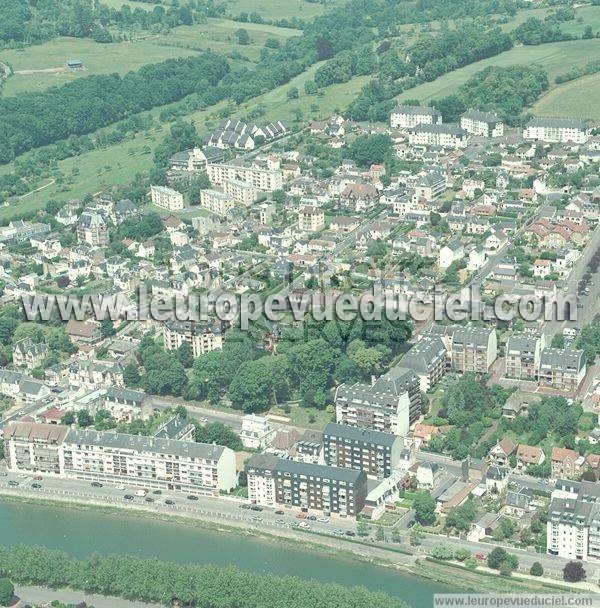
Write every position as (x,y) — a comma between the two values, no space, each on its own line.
(394,557)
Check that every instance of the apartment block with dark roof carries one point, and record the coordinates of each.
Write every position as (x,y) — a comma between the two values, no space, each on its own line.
(562,368)
(316,488)
(350,447)
(523,356)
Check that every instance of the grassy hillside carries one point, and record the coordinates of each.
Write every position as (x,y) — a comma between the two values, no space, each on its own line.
(579,98)
(217,34)
(280,9)
(556,58)
(117,164)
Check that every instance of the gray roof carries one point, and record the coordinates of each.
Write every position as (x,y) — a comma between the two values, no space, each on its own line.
(444,128)
(557,123)
(416,110)
(488,117)
(463,334)
(357,434)
(425,354)
(293,467)
(114,392)
(139,443)
(562,358)
(522,344)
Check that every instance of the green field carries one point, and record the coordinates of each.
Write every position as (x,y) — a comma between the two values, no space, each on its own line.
(117,164)
(219,35)
(579,98)
(280,9)
(585,15)
(556,58)
(122,57)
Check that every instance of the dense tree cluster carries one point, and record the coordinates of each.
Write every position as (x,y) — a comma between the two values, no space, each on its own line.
(307,365)
(188,585)
(535,31)
(36,119)
(425,60)
(506,91)
(26,22)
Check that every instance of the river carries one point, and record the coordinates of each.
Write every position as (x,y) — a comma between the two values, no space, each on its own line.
(81,532)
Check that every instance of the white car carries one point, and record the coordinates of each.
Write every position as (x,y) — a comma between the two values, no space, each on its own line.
(323,520)
(23,476)
(120,487)
(304,525)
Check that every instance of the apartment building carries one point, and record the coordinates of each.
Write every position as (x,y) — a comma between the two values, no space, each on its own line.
(167,198)
(311,219)
(106,456)
(317,488)
(34,447)
(257,432)
(390,405)
(216,202)
(241,192)
(430,186)
(92,229)
(427,359)
(28,353)
(263,179)
(562,368)
(470,349)
(406,117)
(573,527)
(202,337)
(556,130)
(446,136)
(484,124)
(350,447)
(523,352)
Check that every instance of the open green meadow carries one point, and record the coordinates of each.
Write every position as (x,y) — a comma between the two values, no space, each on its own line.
(585,15)
(42,66)
(556,58)
(97,170)
(280,9)
(579,98)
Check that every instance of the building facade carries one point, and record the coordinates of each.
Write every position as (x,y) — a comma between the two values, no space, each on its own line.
(351,447)
(484,124)
(106,456)
(317,488)
(470,349)
(167,198)
(406,117)
(202,337)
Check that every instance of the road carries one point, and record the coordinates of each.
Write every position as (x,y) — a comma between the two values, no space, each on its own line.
(589,302)
(228,511)
(43,596)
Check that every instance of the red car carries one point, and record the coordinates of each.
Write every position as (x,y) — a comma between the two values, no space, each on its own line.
(38,478)
(301,516)
(480,556)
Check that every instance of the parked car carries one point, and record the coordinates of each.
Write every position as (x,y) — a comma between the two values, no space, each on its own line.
(192,497)
(256,508)
(149,499)
(157,492)
(244,506)
(96,484)
(38,478)
(480,556)
(12,482)
(36,486)
(304,525)
(280,512)
(128,497)
(169,502)
(350,533)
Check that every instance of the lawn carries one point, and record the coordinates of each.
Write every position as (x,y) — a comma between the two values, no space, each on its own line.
(280,9)
(579,98)
(98,58)
(585,15)
(556,58)
(220,36)
(117,164)
(122,57)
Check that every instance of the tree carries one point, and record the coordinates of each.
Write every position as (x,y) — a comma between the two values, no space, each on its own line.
(84,418)
(424,506)
(131,375)
(251,387)
(370,149)
(362,529)
(496,557)
(573,572)
(379,533)
(7,592)
(293,93)
(442,551)
(243,36)
(185,355)
(68,418)
(536,569)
